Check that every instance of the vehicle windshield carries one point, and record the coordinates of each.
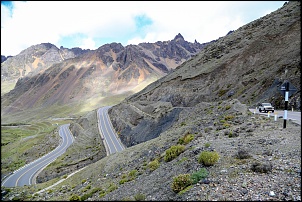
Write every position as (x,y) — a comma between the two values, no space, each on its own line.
(266,104)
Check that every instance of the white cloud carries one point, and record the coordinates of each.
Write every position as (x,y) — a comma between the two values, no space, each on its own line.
(88,43)
(47,21)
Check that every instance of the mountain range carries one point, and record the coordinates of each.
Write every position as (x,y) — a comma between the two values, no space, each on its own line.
(46,75)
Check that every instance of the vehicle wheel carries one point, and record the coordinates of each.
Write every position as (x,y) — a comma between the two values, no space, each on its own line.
(260,110)
(265,111)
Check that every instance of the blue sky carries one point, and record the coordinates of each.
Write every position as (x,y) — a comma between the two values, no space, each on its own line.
(91,24)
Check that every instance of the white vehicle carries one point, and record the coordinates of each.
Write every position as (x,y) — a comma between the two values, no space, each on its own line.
(266,107)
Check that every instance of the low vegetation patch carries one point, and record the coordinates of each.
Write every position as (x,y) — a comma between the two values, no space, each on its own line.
(140,197)
(131,176)
(199,175)
(186,139)
(153,165)
(173,152)
(208,158)
(181,182)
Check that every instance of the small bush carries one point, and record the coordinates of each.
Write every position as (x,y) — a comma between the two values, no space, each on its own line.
(222,92)
(261,167)
(207,144)
(181,182)
(227,107)
(153,165)
(132,175)
(139,197)
(208,158)
(173,152)
(243,154)
(229,117)
(122,181)
(102,193)
(199,175)
(186,139)
(86,196)
(111,187)
(226,125)
(74,197)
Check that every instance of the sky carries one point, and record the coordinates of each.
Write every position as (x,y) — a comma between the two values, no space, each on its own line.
(91,24)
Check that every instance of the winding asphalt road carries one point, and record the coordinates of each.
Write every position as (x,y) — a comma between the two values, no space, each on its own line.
(28,173)
(112,143)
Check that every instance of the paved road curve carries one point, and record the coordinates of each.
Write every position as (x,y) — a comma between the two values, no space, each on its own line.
(294,116)
(27,174)
(112,143)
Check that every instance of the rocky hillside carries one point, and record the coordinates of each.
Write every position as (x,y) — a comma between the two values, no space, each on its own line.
(257,160)
(249,64)
(108,71)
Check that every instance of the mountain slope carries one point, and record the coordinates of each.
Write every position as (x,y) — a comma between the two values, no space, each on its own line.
(248,64)
(110,70)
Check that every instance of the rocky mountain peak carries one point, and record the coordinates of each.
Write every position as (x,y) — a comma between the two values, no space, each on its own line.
(178,37)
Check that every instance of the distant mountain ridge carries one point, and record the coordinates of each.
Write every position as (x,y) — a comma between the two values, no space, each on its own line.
(32,60)
(48,75)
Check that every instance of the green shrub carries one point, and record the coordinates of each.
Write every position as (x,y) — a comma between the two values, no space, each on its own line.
(181,182)
(111,187)
(140,197)
(229,117)
(102,193)
(226,125)
(153,165)
(222,92)
(186,139)
(74,197)
(173,152)
(86,196)
(208,158)
(132,175)
(227,107)
(122,181)
(207,144)
(199,175)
